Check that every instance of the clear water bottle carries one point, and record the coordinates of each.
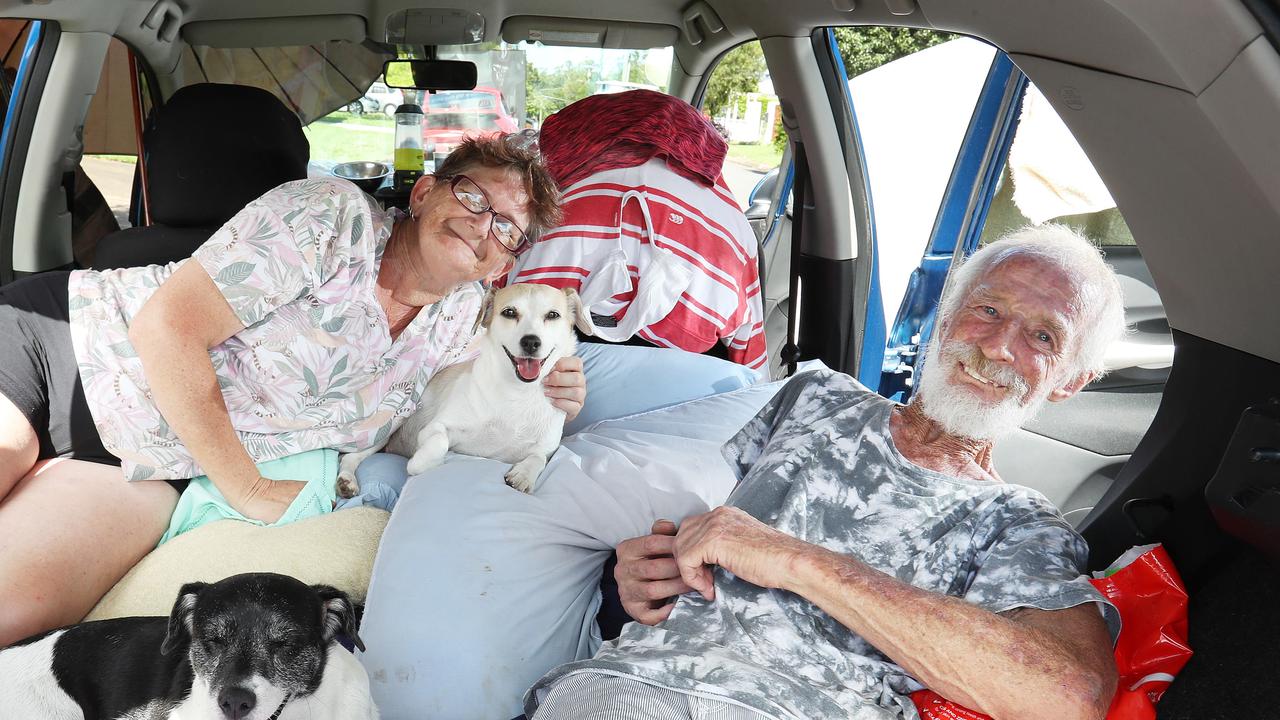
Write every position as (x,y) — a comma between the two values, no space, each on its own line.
(408,155)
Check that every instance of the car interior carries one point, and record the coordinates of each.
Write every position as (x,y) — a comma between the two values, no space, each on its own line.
(1176,111)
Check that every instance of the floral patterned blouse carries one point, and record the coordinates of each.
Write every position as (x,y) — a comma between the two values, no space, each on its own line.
(314,366)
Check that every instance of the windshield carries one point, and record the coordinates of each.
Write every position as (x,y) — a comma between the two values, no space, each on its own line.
(462,100)
(517,86)
(533,80)
(463,121)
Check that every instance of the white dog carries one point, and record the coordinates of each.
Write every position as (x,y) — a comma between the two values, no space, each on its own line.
(494,406)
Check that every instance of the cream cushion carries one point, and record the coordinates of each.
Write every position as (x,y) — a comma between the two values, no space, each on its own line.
(334,549)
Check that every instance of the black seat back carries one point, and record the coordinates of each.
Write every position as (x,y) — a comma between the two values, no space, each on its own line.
(210,150)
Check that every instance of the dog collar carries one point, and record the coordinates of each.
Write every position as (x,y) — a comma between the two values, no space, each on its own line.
(276,715)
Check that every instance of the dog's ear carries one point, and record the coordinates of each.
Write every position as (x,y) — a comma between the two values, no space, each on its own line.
(178,633)
(339,614)
(486,310)
(581,315)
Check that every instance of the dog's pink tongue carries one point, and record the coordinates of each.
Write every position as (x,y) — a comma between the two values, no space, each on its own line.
(529,368)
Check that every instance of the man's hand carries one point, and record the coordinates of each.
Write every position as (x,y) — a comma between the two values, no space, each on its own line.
(739,543)
(647,574)
(266,500)
(567,386)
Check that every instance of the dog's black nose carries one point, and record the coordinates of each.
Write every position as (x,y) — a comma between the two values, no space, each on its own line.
(530,344)
(236,703)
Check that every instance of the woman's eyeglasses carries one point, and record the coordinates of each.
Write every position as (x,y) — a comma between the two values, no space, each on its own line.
(504,229)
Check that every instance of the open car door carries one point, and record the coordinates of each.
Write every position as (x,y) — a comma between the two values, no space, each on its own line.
(1013,150)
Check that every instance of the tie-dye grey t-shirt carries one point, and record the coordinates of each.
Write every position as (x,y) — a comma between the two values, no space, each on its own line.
(818,463)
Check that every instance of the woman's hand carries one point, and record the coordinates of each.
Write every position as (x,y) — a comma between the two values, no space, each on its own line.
(266,500)
(567,386)
(647,574)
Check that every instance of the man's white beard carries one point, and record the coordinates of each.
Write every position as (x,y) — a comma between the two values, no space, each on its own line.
(958,409)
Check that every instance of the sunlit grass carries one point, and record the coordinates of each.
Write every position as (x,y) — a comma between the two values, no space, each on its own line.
(757,156)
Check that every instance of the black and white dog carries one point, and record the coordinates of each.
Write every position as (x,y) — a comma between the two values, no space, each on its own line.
(258,646)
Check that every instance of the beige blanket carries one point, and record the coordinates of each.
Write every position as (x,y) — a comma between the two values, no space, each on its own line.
(335,549)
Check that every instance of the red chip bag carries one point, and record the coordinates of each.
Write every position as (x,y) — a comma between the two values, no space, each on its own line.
(1144,586)
(1146,589)
(933,706)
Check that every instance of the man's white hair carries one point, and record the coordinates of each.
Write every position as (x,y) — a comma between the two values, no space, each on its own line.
(1096,287)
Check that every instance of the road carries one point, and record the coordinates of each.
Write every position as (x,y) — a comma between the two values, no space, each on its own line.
(114,180)
(741,179)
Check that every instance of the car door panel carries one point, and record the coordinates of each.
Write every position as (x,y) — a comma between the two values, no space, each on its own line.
(769,214)
(1072,478)
(777,286)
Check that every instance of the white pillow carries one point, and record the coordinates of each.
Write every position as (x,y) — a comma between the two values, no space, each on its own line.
(624,380)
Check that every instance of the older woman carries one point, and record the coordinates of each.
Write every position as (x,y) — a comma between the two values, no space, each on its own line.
(312,319)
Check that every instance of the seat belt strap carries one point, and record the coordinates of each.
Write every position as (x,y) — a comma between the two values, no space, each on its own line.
(791,350)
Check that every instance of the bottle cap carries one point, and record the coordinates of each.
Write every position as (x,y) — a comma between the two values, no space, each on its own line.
(409,108)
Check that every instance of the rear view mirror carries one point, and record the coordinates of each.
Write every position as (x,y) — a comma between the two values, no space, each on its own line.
(430,74)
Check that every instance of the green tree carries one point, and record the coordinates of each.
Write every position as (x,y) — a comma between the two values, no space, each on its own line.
(779,134)
(537,103)
(867,48)
(739,72)
(635,66)
(547,92)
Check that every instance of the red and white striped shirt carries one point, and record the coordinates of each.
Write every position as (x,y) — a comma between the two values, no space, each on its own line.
(671,260)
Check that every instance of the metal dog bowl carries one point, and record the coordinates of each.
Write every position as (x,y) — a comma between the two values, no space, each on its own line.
(367,176)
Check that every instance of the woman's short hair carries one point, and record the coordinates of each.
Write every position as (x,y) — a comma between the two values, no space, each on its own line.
(519,153)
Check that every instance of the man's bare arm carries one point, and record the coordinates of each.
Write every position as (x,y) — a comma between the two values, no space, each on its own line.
(1053,665)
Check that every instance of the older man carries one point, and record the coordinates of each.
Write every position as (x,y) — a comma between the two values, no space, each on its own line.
(870,549)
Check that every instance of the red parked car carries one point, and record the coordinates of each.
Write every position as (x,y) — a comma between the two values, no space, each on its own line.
(454,115)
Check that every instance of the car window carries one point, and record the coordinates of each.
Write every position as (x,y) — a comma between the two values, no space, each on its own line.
(913,112)
(1047,177)
(517,87)
(740,102)
(13,37)
(364,129)
(557,76)
(110,136)
(462,100)
(913,93)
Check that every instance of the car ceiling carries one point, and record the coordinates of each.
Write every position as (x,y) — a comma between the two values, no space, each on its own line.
(1140,39)
(1177,110)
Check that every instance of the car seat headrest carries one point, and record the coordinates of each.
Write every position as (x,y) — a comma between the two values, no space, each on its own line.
(212,148)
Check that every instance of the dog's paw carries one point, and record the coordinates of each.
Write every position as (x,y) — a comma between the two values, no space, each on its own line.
(348,487)
(520,479)
(524,474)
(422,462)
